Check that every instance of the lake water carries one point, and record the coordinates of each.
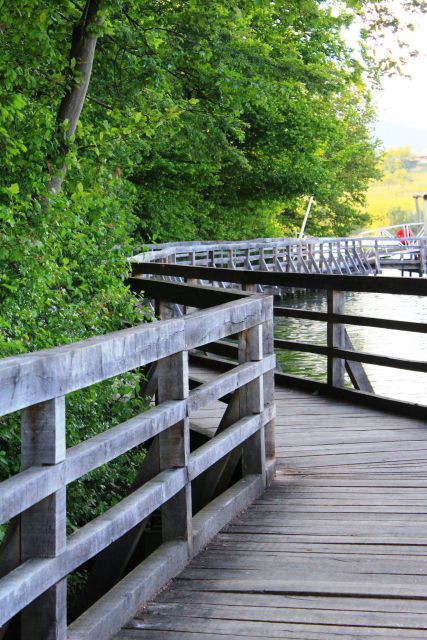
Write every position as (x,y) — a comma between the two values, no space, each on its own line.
(394,383)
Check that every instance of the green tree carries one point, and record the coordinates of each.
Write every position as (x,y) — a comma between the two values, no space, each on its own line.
(264,104)
(123,120)
(63,256)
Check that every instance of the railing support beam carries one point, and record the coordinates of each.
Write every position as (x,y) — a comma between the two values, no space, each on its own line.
(175,448)
(251,401)
(268,391)
(43,526)
(335,339)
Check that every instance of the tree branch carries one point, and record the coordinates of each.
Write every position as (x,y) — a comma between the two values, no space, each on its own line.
(100,102)
(82,50)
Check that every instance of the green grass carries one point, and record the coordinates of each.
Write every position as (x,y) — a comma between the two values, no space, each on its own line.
(384,196)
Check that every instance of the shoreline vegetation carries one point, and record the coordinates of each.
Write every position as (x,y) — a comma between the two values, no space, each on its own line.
(390,200)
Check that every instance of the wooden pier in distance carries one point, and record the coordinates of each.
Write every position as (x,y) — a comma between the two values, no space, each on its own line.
(366,254)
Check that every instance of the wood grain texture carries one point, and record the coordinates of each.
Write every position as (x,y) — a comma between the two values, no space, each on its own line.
(37,482)
(335,339)
(251,401)
(174,448)
(43,526)
(32,578)
(37,383)
(34,378)
(336,547)
(106,617)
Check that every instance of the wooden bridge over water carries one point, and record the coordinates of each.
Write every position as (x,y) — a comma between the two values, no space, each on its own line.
(333,545)
(367,254)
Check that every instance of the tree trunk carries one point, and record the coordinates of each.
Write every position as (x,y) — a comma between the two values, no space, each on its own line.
(83,52)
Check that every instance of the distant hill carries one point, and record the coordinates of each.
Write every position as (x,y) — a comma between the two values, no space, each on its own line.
(395,135)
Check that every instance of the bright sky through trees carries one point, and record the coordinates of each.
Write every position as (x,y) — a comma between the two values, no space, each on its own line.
(402,102)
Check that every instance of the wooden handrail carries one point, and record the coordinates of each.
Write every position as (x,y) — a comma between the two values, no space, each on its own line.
(339,351)
(37,384)
(361,321)
(361,284)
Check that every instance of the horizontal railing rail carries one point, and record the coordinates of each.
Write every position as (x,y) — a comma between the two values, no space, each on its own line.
(359,284)
(36,384)
(338,350)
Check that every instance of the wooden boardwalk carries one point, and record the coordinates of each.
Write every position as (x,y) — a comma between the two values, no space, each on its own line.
(336,548)
(343,256)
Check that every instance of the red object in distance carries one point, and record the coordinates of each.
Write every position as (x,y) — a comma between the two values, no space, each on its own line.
(403,233)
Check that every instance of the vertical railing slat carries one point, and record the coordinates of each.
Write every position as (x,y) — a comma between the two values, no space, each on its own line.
(174,445)
(335,339)
(43,526)
(268,392)
(251,401)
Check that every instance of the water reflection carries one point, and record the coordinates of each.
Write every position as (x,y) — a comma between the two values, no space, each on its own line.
(404,385)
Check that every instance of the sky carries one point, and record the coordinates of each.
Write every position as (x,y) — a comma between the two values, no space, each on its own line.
(402,102)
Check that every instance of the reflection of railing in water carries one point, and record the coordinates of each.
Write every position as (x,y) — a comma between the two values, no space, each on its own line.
(342,256)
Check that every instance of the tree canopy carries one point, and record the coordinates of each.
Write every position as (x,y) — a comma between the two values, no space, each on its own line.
(123,121)
(127,121)
(201,119)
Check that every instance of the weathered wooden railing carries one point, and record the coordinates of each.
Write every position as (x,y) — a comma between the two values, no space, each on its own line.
(338,350)
(36,384)
(310,255)
(341,256)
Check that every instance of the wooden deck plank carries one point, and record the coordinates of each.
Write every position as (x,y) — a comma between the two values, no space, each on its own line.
(336,548)
(300,614)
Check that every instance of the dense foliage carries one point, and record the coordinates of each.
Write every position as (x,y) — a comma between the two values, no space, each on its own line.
(202,119)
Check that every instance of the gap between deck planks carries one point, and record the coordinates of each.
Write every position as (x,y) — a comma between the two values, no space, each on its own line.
(335,548)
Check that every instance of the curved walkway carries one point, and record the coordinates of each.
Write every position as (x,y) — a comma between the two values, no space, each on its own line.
(335,549)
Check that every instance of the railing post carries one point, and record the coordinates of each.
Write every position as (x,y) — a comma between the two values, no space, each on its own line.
(193,281)
(423,256)
(262,263)
(268,392)
(299,258)
(174,445)
(251,401)
(377,257)
(231,264)
(335,339)
(248,286)
(288,258)
(43,526)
